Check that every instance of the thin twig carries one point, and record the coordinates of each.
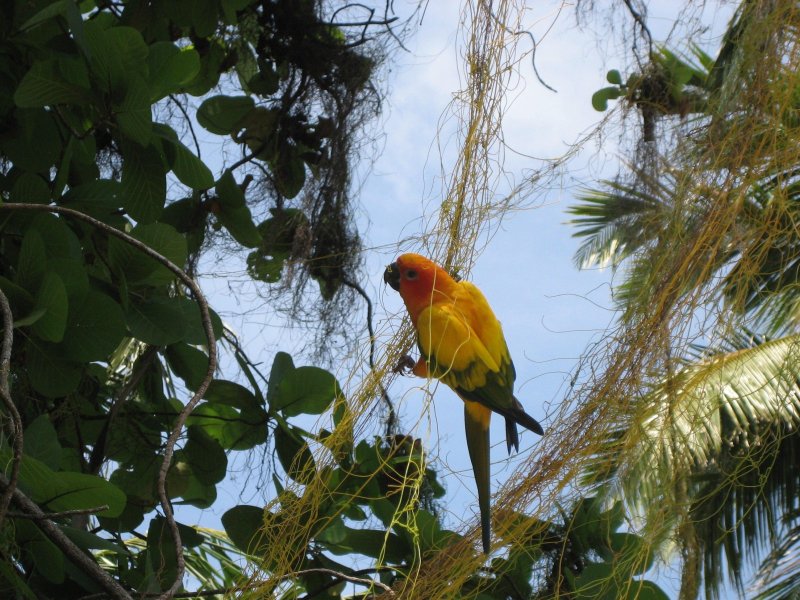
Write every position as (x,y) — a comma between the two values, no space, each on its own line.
(169,449)
(391,419)
(70,550)
(188,122)
(59,515)
(8,402)
(345,577)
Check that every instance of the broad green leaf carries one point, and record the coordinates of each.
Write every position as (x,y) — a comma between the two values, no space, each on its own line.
(47,558)
(294,454)
(282,365)
(233,429)
(188,168)
(158,321)
(44,85)
(234,214)
(242,524)
(73,274)
(66,490)
(290,171)
(170,68)
(144,184)
(205,455)
(117,53)
(54,9)
(50,372)
(98,198)
(35,142)
(32,262)
(230,394)
(41,442)
(138,268)
(30,188)
(223,114)
(305,390)
(188,363)
(133,113)
(96,326)
(52,298)
(265,268)
(196,333)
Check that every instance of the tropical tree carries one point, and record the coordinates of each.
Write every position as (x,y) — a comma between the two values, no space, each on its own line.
(704,228)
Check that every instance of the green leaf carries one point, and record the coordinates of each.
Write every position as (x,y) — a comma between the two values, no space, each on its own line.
(31,262)
(33,141)
(41,442)
(305,390)
(57,8)
(158,321)
(66,490)
(614,76)
(234,214)
(52,298)
(282,365)
(601,97)
(294,454)
(98,198)
(49,371)
(30,188)
(223,114)
(290,172)
(265,268)
(95,328)
(205,455)
(43,85)
(138,268)
(171,68)
(233,429)
(230,394)
(46,557)
(133,113)
(242,524)
(188,168)
(144,184)
(117,53)
(188,363)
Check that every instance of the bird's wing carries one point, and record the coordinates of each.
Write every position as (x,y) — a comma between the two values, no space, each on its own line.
(458,357)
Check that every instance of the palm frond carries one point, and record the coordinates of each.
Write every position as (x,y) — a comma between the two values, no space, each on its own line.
(725,429)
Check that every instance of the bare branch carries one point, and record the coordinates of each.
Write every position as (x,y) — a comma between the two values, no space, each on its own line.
(59,515)
(8,402)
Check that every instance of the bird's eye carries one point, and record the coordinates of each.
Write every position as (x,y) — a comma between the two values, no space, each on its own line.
(411,274)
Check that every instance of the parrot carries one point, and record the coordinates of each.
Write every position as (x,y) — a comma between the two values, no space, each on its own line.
(461,344)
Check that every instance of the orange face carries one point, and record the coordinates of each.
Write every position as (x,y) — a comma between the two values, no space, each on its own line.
(419,280)
(411,273)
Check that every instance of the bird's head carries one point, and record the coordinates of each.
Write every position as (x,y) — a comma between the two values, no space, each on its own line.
(419,280)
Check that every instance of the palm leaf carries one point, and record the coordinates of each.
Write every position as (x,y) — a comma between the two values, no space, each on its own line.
(724,429)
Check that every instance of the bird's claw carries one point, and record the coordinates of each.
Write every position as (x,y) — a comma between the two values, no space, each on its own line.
(405,365)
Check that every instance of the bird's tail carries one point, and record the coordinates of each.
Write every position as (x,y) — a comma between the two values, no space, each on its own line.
(516,414)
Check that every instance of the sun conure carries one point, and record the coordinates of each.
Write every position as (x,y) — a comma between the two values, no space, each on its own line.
(462,344)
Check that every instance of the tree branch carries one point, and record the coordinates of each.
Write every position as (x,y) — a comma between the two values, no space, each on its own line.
(8,402)
(70,550)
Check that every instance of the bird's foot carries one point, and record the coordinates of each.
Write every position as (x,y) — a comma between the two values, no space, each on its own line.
(405,365)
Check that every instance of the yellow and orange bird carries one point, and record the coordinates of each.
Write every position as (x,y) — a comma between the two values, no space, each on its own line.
(462,344)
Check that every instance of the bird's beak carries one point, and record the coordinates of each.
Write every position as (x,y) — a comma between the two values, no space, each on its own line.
(392,276)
